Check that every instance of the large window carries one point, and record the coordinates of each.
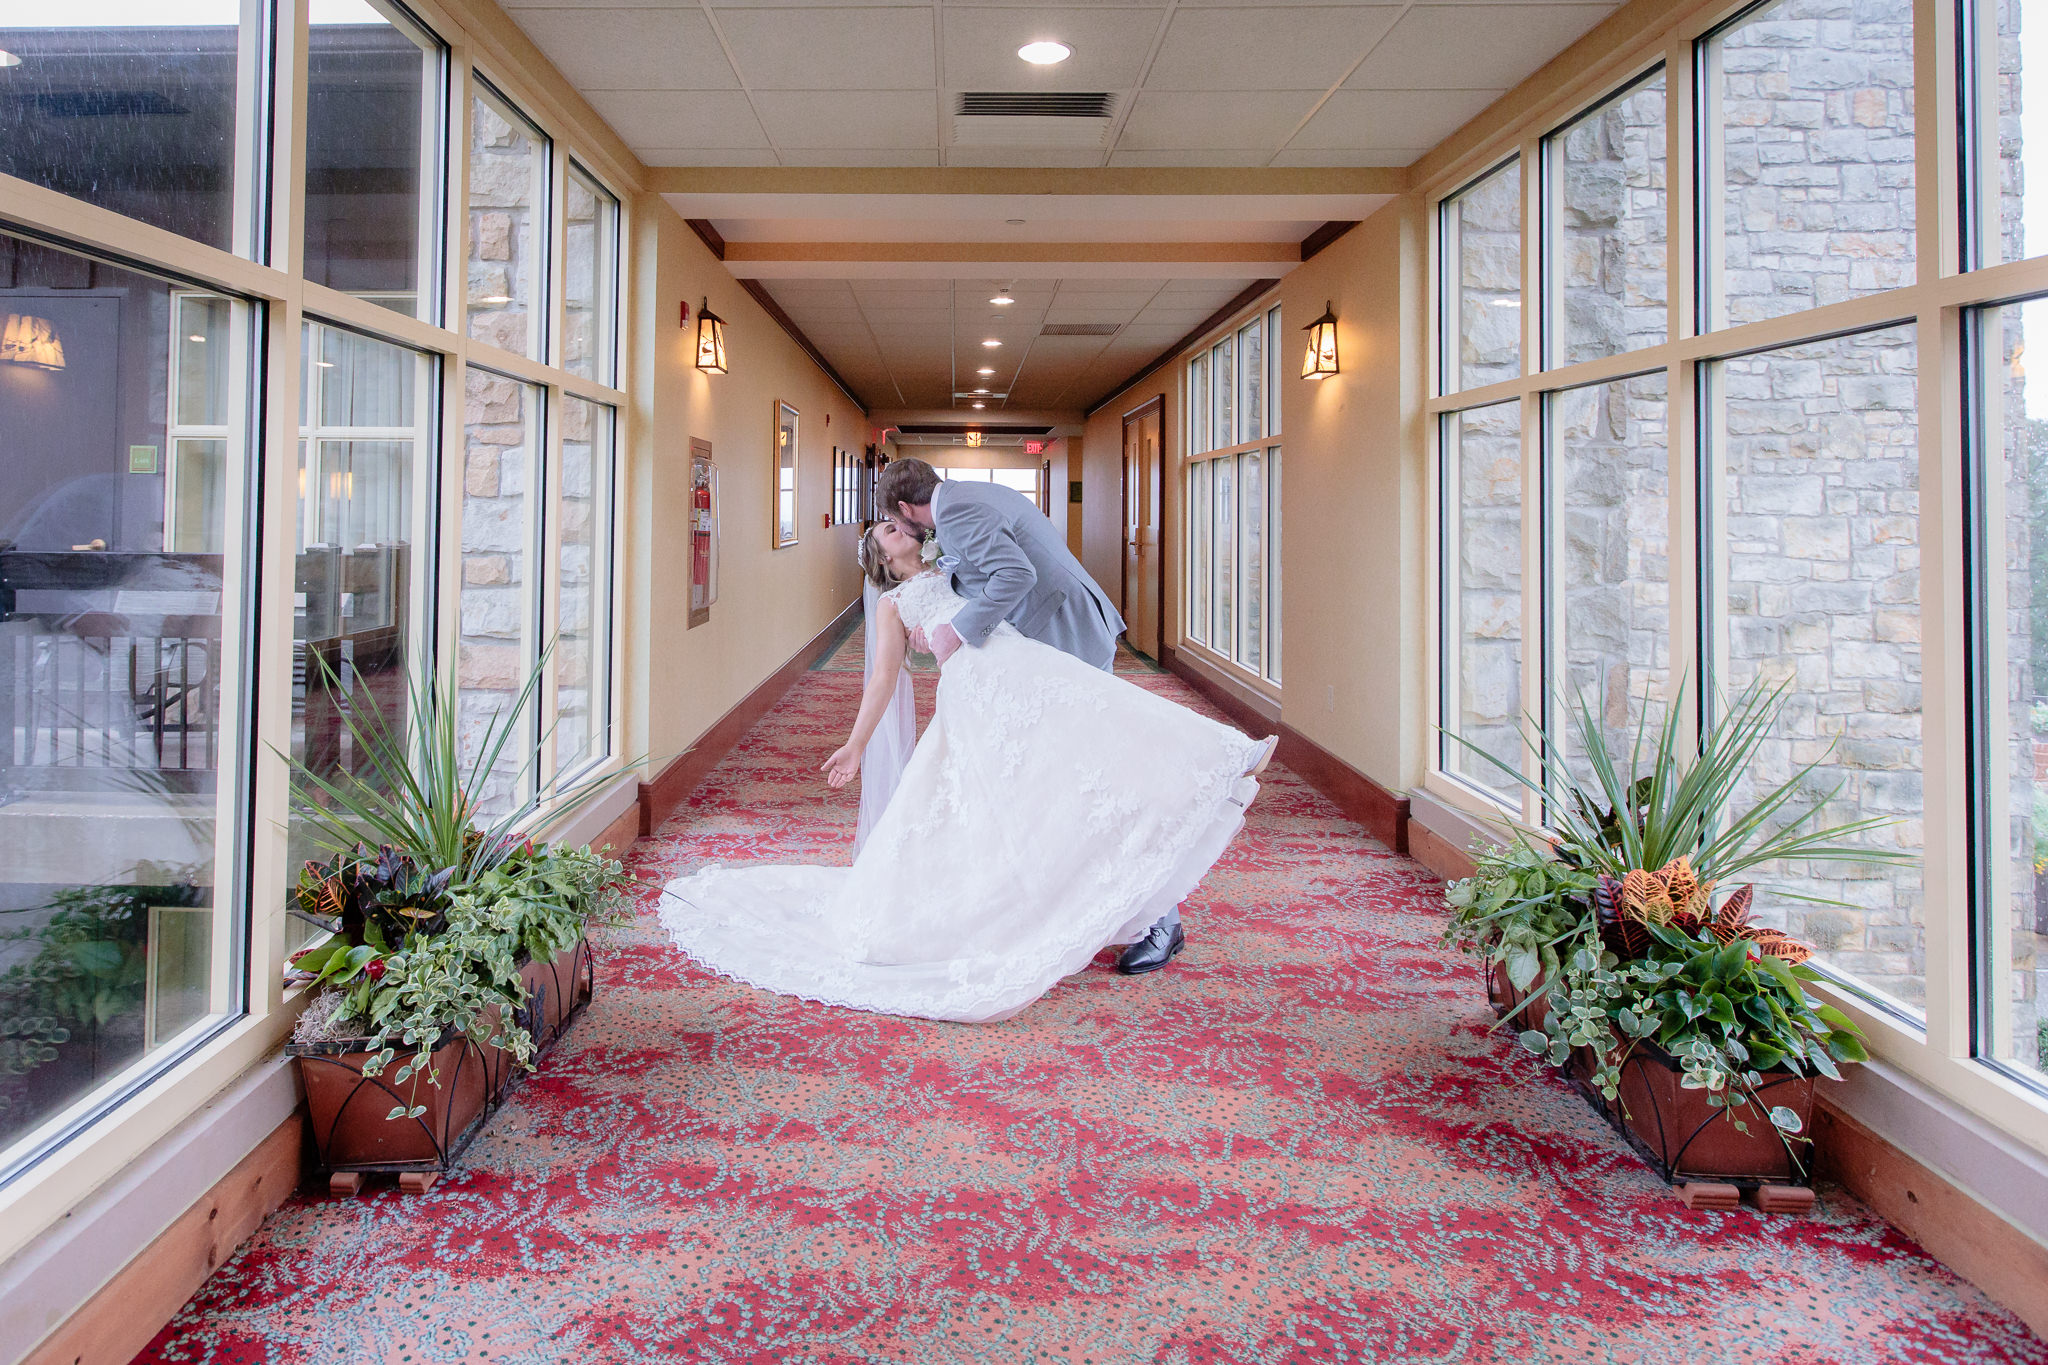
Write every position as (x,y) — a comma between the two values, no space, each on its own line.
(374,96)
(1232,487)
(1800,457)
(181,607)
(134,107)
(125,608)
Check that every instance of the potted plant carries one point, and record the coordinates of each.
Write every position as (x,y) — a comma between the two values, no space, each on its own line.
(1626,956)
(456,946)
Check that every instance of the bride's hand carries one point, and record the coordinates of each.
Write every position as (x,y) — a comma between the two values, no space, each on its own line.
(842,767)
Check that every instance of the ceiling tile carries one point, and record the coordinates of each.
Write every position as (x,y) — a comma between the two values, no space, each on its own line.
(1472,47)
(1266,48)
(668,118)
(844,156)
(630,49)
(1242,119)
(894,119)
(1109,47)
(1159,156)
(867,48)
(1086,284)
(1314,156)
(1391,118)
(706,156)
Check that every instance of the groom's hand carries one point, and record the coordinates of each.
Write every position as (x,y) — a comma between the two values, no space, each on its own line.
(918,642)
(944,642)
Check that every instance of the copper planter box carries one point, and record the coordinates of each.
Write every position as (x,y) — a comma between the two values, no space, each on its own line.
(1685,1139)
(1674,1129)
(348,1110)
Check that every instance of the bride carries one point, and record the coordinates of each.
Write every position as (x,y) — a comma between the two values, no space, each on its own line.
(1051,809)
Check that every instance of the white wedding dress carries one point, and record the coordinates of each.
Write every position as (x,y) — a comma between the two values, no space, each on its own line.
(1050,809)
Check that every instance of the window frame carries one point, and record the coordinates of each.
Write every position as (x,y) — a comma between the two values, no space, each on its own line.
(262,268)
(1950,165)
(1198,368)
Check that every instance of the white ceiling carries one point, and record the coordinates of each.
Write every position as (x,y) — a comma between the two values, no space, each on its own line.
(1197,83)
(874,83)
(917,343)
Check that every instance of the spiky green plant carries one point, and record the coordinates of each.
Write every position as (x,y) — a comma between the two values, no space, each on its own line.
(1680,806)
(422,798)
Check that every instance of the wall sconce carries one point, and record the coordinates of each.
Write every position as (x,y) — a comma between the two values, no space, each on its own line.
(974,438)
(1321,360)
(31,341)
(710,340)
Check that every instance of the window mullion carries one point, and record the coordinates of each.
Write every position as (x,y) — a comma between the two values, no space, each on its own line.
(1946,705)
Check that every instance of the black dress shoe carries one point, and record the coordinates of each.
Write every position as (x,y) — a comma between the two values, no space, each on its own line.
(1160,946)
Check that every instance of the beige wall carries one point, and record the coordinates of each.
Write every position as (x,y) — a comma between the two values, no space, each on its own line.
(1351,498)
(769,601)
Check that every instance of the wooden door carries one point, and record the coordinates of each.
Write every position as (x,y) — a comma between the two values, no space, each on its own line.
(1143,570)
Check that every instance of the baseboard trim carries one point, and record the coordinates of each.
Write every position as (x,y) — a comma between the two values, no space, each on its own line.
(1950,1224)
(113,1326)
(96,1287)
(1384,815)
(668,789)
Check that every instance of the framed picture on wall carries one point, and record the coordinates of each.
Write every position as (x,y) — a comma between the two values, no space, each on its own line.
(784,501)
(703,532)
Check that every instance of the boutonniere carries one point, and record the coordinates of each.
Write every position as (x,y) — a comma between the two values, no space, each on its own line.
(929,551)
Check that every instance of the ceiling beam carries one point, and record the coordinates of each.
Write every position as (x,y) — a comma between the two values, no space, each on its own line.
(1239,258)
(1235,181)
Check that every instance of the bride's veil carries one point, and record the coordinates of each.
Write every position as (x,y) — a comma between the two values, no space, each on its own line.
(882,762)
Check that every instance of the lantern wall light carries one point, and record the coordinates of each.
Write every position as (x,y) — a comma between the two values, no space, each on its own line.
(974,438)
(710,340)
(31,341)
(1321,360)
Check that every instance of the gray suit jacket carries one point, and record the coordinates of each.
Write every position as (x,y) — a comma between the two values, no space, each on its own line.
(1013,566)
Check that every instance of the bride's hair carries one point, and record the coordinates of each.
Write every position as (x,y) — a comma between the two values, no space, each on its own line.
(874,563)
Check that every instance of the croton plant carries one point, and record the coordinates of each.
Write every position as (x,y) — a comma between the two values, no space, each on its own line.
(1622,919)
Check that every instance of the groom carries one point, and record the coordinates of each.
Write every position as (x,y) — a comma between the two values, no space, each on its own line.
(1010,564)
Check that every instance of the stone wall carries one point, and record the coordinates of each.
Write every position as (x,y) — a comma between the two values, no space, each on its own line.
(1818,467)
(1612,482)
(1816,107)
(504,240)
(1486,536)
(1611,241)
(501,432)
(1489,224)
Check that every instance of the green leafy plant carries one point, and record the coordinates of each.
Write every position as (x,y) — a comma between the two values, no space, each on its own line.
(459,973)
(428,926)
(1613,916)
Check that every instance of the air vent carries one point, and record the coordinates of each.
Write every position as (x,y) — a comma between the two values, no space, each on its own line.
(1080,329)
(1036,104)
(1022,118)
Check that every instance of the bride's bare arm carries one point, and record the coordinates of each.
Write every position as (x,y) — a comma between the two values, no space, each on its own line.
(890,644)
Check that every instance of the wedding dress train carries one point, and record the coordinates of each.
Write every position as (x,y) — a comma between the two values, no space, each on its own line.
(1050,809)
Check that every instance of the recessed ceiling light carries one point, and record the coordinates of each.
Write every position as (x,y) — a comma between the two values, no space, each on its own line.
(981,390)
(1045,52)
(9,59)
(984,370)
(981,405)
(195,337)
(991,342)
(1002,300)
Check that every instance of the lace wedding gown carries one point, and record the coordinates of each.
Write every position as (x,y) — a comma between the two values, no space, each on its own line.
(1049,810)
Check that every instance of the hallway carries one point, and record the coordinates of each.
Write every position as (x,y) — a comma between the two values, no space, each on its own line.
(1301,1144)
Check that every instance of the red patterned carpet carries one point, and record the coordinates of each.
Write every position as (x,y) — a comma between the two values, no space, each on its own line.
(1300,1144)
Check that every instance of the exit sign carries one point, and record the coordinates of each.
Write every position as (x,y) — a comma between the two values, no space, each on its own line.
(1034,447)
